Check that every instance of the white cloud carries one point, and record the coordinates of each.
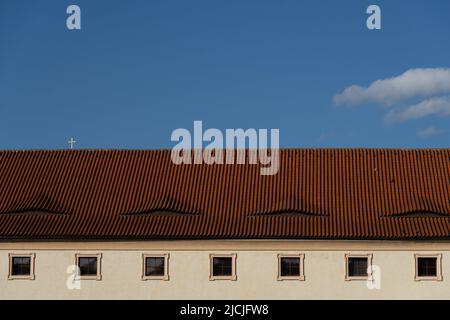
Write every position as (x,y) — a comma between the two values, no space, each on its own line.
(434,106)
(428,132)
(326,136)
(420,82)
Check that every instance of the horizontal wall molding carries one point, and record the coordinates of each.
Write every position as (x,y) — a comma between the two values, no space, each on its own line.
(238,245)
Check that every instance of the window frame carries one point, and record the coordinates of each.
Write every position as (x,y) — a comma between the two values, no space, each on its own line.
(166,257)
(97,277)
(233,276)
(32,257)
(369,257)
(301,257)
(438,276)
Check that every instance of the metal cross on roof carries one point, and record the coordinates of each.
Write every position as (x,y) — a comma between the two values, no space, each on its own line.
(71,142)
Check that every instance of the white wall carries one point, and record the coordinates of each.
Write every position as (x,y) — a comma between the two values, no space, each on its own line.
(256,271)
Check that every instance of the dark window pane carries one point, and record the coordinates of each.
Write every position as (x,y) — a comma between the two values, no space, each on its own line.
(222,266)
(290,267)
(154,266)
(88,266)
(357,267)
(427,267)
(21,266)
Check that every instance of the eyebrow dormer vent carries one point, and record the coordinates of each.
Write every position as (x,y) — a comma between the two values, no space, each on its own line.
(290,206)
(38,204)
(163,206)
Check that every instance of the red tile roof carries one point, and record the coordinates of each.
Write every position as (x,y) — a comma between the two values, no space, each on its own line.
(133,194)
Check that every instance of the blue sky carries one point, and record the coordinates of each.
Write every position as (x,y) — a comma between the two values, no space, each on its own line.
(137,70)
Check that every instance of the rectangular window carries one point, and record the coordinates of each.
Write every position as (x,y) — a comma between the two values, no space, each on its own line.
(291,266)
(155,266)
(222,267)
(21,266)
(358,266)
(89,266)
(428,267)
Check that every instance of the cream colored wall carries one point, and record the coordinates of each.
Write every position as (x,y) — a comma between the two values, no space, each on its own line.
(256,271)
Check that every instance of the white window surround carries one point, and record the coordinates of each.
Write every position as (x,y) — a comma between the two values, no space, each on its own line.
(97,277)
(31,276)
(369,257)
(233,275)
(301,276)
(166,257)
(438,257)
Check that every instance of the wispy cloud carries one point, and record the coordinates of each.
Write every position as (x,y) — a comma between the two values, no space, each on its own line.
(429,132)
(419,82)
(434,106)
(326,136)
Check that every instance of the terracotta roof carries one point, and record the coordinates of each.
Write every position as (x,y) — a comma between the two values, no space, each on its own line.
(134,194)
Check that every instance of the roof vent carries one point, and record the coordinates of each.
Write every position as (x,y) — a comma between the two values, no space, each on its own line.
(421,213)
(291,206)
(163,206)
(38,204)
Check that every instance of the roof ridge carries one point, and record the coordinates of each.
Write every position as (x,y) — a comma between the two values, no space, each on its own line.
(169,149)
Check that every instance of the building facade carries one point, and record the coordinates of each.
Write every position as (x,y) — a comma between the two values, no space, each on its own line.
(332,224)
(257,270)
